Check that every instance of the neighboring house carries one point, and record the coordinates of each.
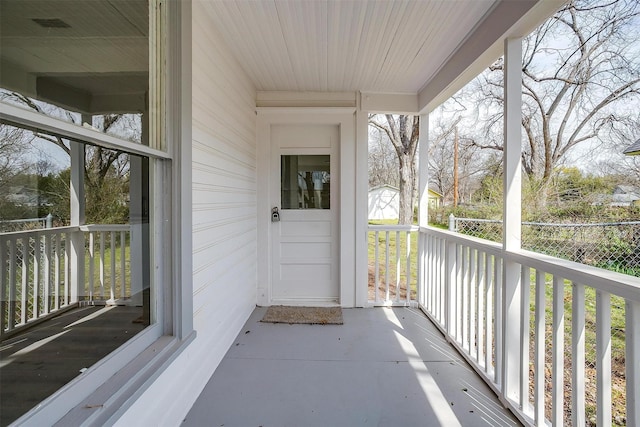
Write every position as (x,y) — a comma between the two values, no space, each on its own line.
(625,195)
(384,202)
(22,196)
(238,98)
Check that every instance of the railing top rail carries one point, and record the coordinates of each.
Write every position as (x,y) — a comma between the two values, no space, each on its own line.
(39,231)
(485,245)
(393,227)
(105,227)
(619,284)
(69,229)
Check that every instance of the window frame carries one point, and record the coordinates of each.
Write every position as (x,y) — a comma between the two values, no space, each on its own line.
(170,247)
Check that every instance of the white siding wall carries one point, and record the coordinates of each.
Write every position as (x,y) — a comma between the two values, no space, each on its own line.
(224,224)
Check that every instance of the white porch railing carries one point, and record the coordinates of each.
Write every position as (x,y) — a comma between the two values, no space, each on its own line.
(36,276)
(575,327)
(393,264)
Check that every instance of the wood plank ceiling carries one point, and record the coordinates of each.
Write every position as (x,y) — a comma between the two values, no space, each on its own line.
(333,45)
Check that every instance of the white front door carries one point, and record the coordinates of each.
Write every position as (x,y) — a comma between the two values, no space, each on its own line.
(304,236)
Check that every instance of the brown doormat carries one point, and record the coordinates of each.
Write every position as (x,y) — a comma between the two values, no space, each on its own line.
(303,315)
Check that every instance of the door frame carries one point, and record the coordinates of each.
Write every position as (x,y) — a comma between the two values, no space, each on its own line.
(345,118)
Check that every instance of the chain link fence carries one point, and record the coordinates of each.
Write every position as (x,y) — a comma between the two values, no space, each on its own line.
(613,245)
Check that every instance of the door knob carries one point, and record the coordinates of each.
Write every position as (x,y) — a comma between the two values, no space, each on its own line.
(275,215)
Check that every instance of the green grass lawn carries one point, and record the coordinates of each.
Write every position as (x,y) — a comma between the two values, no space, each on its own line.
(103,292)
(395,246)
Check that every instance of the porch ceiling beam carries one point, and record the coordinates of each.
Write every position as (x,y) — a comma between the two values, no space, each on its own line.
(305,99)
(508,19)
(395,103)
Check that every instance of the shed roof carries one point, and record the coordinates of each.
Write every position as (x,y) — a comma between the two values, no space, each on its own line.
(633,149)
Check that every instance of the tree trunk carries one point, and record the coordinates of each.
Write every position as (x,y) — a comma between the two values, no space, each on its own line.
(406,190)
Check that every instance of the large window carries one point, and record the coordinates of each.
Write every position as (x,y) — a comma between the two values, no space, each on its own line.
(79,168)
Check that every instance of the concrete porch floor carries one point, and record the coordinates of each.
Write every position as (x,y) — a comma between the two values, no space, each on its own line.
(383,367)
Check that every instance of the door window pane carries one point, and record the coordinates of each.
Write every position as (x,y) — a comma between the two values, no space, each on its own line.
(305,181)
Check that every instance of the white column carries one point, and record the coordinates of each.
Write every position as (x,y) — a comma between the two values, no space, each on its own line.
(423,203)
(136,221)
(511,289)
(423,168)
(362,188)
(77,208)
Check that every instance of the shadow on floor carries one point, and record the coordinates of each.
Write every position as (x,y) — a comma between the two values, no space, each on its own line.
(39,361)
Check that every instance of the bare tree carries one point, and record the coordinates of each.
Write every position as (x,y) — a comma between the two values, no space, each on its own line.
(403,133)
(383,161)
(12,143)
(579,70)
(471,165)
(101,164)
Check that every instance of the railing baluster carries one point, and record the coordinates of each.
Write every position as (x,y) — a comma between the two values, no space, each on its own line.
(11,322)
(524,337)
(482,260)
(408,274)
(539,350)
(488,324)
(47,274)
(112,292)
(632,353)
(67,268)
(398,250)
(4,303)
(603,358)
(459,283)
(449,291)
(102,237)
(25,280)
(377,265)
(122,266)
(56,272)
(471,329)
(438,278)
(35,308)
(497,331)
(577,355)
(92,266)
(386,267)
(464,298)
(558,351)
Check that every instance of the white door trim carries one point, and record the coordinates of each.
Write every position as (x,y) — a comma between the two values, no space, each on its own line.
(345,119)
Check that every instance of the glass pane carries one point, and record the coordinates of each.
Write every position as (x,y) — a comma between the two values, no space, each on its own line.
(305,182)
(85,62)
(90,304)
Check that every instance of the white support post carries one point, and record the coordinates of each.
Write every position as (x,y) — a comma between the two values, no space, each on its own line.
(512,328)
(76,255)
(423,204)
(136,219)
(362,188)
